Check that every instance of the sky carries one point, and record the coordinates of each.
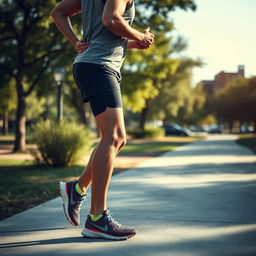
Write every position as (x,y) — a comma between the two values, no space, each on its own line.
(222,33)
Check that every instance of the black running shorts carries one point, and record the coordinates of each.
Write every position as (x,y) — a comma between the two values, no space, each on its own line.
(99,85)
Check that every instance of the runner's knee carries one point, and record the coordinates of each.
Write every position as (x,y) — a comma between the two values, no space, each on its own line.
(116,140)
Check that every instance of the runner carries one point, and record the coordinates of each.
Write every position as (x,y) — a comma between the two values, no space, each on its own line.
(107,33)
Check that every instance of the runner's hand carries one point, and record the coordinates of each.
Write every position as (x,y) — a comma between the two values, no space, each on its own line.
(81,46)
(147,38)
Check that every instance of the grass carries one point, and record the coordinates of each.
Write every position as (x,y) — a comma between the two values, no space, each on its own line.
(154,147)
(24,184)
(248,140)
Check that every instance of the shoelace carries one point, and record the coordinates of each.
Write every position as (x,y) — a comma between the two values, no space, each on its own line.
(114,222)
(79,203)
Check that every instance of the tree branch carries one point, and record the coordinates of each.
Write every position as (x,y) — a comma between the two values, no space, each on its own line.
(44,55)
(40,74)
(33,62)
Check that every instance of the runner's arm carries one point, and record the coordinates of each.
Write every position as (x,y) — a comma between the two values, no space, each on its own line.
(112,18)
(61,14)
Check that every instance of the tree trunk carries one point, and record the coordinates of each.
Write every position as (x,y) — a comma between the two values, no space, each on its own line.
(5,123)
(20,124)
(143,115)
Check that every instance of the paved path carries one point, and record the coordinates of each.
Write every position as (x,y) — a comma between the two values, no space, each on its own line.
(198,200)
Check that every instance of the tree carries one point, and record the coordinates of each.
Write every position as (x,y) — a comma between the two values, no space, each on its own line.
(177,101)
(145,71)
(29,43)
(236,102)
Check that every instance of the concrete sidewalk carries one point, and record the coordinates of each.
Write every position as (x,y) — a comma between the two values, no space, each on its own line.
(198,200)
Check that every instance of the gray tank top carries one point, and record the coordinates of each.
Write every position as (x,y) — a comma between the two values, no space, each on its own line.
(104,46)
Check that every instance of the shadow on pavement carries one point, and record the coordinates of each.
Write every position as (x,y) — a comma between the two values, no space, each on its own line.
(30,230)
(64,240)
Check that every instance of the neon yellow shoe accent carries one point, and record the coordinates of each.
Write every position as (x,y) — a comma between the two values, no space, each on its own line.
(95,217)
(79,190)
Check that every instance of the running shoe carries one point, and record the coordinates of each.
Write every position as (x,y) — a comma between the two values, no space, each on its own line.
(72,201)
(106,227)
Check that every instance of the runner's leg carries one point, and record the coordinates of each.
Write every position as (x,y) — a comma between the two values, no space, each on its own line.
(113,138)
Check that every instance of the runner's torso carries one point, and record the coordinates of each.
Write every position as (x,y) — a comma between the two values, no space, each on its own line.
(104,46)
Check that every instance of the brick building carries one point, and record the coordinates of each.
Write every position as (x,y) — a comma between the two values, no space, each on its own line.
(221,79)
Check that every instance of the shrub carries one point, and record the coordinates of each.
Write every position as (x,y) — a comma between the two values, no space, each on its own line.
(60,144)
(149,132)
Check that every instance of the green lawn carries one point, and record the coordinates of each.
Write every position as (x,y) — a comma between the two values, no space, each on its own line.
(23,184)
(249,141)
(149,148)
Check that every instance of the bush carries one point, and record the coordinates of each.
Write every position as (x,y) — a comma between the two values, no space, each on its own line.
(149,132)
(60,144)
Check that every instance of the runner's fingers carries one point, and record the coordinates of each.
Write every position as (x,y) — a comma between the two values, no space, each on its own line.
(84,45)
(81,46)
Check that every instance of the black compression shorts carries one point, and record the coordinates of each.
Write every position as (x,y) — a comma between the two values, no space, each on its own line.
(99,85)
(101,101)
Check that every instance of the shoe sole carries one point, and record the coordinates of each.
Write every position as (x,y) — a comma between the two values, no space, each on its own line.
(65,199)
(94,234)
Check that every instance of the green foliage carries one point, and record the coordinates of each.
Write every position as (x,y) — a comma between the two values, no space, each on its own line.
(35,106)
(31,47)
(148,132)
(177,100)
(60,144)
(7,95)
(236,101)
(29,40)
(208,120)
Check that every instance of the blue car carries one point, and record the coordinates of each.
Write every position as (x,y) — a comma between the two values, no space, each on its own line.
(175,129)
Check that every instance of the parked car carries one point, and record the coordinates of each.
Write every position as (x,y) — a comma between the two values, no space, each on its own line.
(194,128)
(175,129)
(214,129)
